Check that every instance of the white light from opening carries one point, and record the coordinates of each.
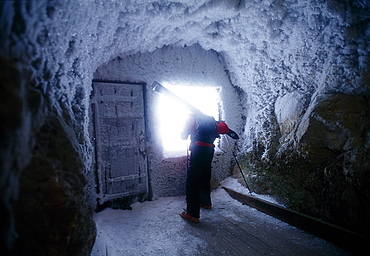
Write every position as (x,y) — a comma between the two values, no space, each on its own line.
(172,114)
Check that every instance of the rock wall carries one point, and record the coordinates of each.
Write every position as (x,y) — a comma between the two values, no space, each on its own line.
(321,166)
(307,142)
(43,201)
(18,125)
(52,200)
(44,204)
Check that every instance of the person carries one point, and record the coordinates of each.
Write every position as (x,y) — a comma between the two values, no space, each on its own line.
(198,187)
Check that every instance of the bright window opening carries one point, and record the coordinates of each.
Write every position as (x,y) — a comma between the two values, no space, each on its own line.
(172,115)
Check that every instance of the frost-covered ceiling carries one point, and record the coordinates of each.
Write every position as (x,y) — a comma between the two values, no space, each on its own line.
(270,47)
(264,41)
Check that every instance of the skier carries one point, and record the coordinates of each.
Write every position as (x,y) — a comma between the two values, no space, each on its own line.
(203,131)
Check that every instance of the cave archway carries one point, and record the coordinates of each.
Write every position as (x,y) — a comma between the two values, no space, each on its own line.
(188,66)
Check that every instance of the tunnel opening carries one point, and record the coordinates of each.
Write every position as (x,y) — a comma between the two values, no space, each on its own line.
(194,74)
(172,115)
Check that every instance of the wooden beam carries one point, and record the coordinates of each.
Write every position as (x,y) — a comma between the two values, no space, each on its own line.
(341,237)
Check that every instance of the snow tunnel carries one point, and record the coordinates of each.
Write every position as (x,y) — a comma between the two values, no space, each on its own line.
(292,79)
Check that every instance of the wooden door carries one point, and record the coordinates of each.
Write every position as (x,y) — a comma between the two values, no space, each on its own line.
(118,127)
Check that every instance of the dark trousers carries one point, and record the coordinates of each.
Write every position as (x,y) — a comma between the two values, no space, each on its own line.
(198,187)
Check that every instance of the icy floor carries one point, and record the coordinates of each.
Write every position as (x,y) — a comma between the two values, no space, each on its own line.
(155,227)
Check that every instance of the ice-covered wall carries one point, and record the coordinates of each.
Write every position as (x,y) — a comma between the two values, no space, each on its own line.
(311,53)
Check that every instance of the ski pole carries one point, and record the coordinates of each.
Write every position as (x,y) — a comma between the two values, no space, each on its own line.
(237,162)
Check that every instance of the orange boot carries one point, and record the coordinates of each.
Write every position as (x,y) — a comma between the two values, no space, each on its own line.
(187,216)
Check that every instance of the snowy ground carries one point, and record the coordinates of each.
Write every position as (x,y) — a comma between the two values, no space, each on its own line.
(155,228)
